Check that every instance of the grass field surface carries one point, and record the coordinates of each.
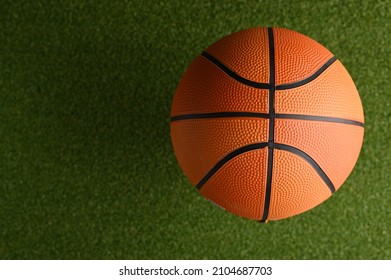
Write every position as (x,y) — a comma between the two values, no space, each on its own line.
(87,170)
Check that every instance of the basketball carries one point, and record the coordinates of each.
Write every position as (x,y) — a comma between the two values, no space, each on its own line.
(267,123)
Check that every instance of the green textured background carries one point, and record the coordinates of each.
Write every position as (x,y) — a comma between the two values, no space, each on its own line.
(87,170)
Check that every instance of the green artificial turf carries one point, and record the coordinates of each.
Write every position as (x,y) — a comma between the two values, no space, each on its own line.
(87,169)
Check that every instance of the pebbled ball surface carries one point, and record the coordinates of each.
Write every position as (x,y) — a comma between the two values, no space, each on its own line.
(267,182)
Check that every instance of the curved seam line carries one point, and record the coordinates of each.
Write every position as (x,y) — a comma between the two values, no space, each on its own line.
(233,74)
(272,116)
(264,116)
(254,84)
(308,79)
(310,160)
(319,118)
(220,115)
(229,157)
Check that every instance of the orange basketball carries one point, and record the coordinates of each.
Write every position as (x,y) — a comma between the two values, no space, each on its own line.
(267,123)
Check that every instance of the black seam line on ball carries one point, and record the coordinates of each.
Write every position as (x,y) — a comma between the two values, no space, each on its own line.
(220,115)
(264,116)
(319,118)
(308,79)
(234,75)
(310,160)
(270,156)
(227,158)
